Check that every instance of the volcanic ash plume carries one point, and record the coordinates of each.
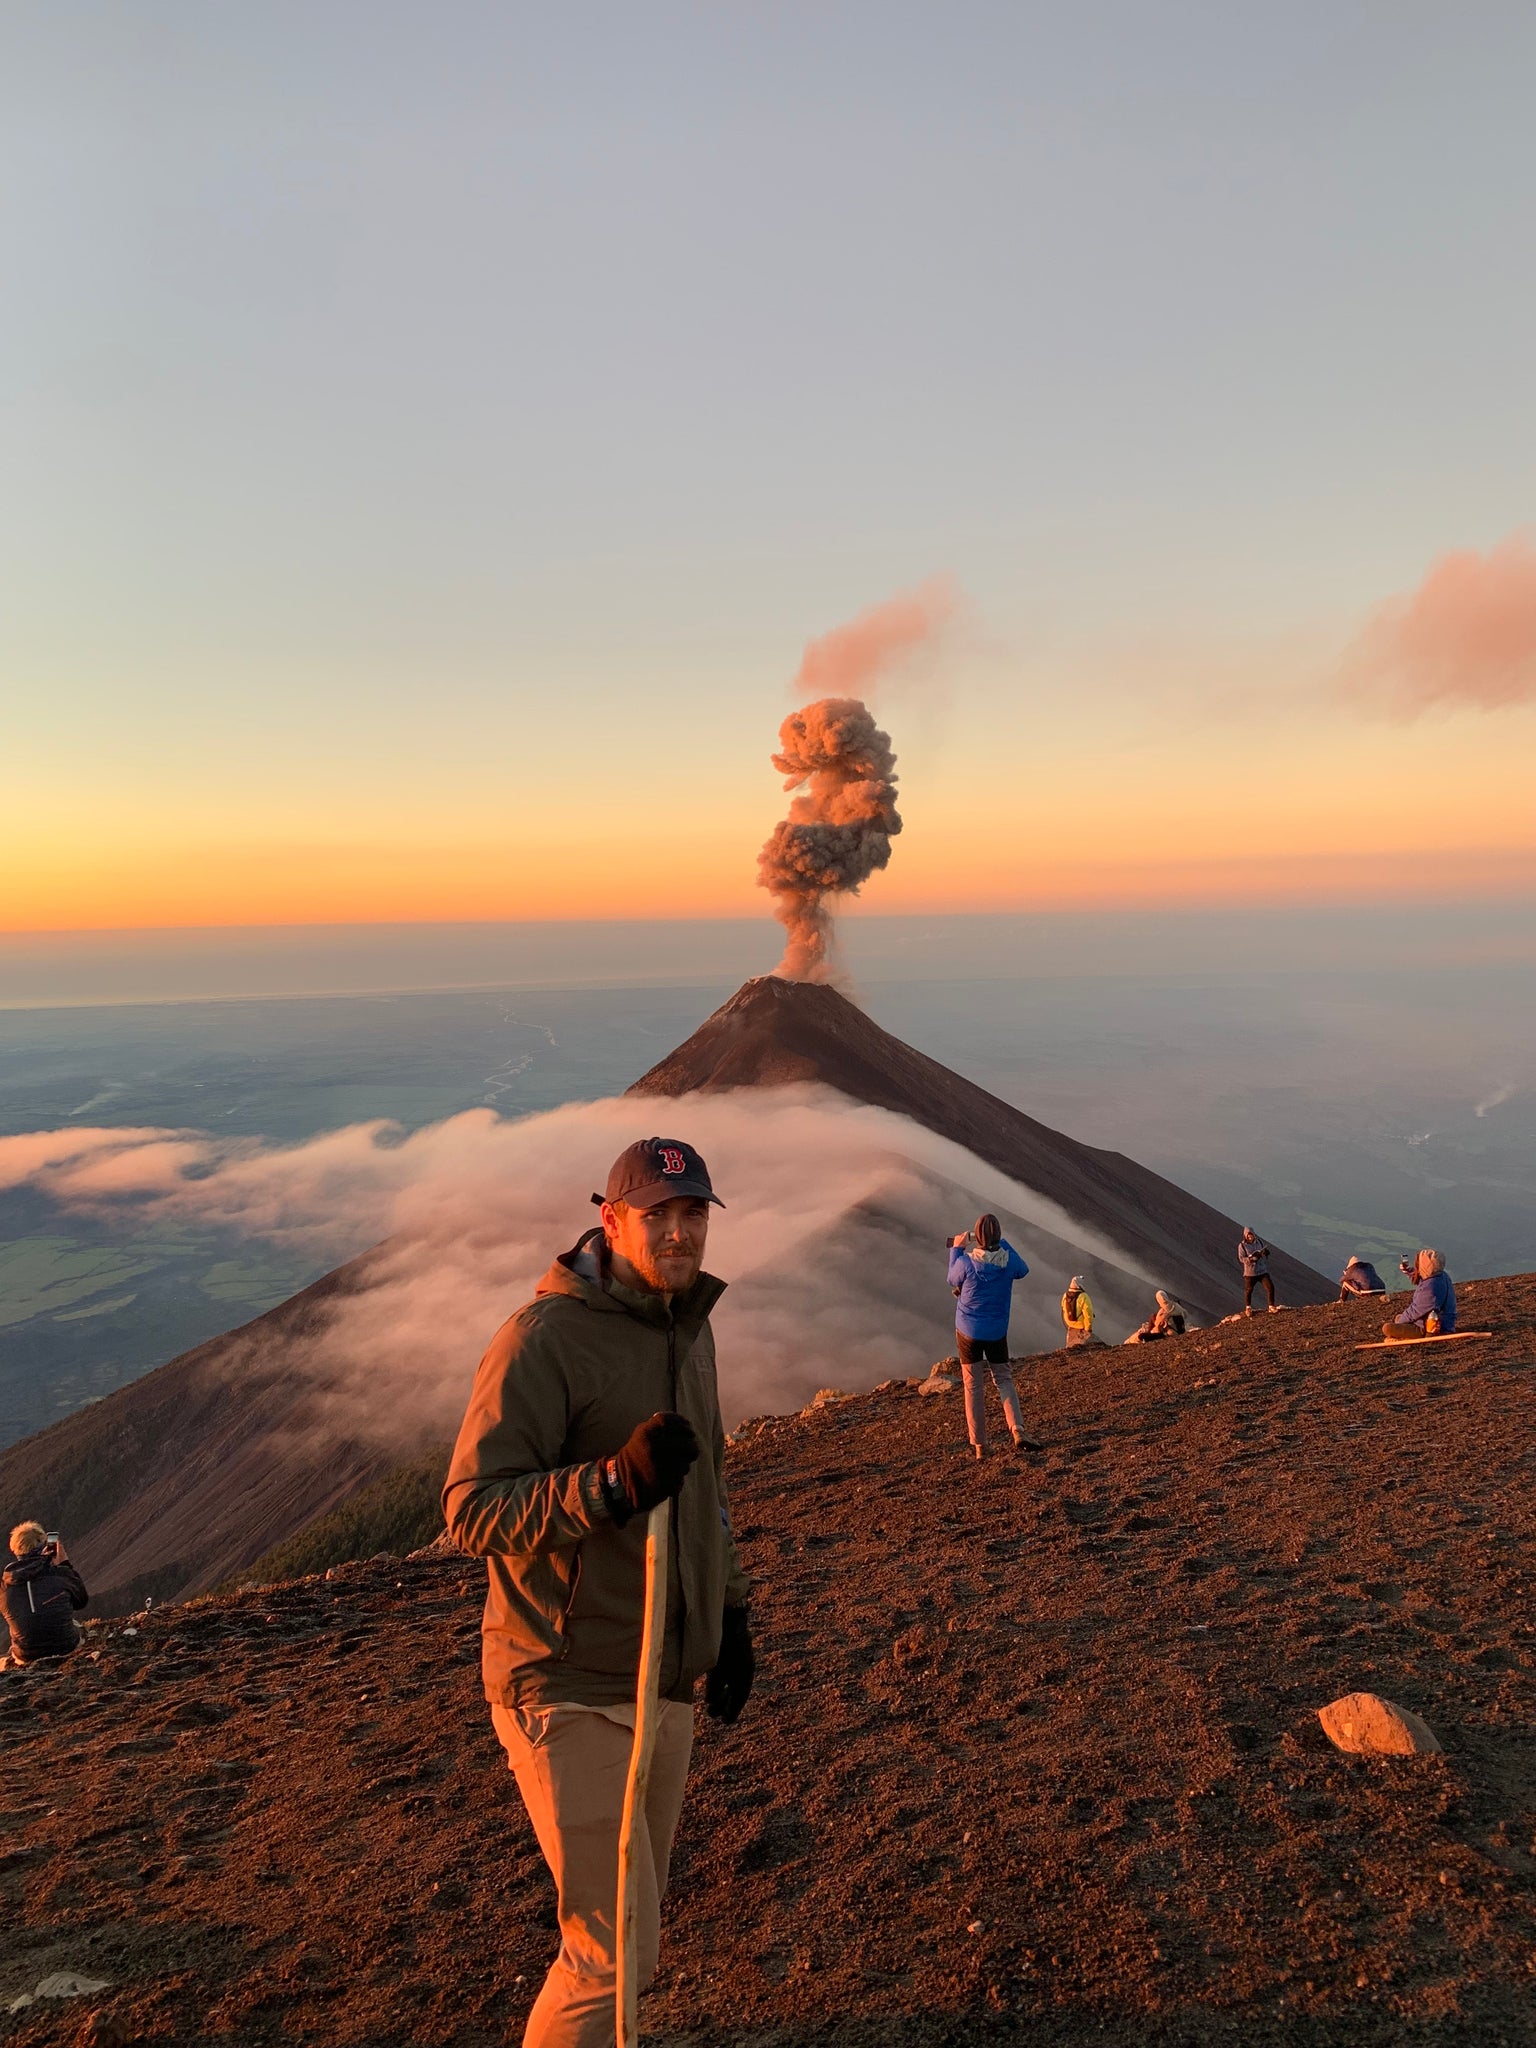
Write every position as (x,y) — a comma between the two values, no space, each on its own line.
(839,829)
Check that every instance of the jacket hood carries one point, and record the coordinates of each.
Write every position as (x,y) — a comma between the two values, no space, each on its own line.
(32,1566)
(579,1274)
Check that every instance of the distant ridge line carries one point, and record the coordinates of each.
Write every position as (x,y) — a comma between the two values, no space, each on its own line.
(773,1032)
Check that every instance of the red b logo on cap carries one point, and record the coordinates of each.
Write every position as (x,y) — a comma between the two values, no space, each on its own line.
(672,1161)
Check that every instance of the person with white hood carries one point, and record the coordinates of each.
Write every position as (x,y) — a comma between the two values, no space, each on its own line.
(1166,1320)
(1077,1313)
(983,1267)
(1254,1255)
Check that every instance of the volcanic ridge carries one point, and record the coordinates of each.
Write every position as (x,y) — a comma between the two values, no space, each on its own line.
(181,1481)
(1033,1753)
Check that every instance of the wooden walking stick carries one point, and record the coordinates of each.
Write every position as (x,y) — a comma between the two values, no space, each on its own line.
(627,1990)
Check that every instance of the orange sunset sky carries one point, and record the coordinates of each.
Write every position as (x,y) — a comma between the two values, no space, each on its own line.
(425,476)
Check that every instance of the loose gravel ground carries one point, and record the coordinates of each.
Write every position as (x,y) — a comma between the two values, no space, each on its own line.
(1034,1753)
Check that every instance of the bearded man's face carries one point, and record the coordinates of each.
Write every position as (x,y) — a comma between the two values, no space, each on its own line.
(661,1248)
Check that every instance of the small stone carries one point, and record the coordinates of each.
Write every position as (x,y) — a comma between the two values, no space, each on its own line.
(825,1396)
(977,1927)
(1363,1724)
(66,1984)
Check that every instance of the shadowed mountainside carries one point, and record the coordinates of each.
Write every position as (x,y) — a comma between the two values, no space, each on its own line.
(175,1483)
(1033,1752)
(774,1031)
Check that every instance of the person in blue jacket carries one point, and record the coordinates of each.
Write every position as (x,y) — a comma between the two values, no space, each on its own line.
(1432,1311)
(982,1269)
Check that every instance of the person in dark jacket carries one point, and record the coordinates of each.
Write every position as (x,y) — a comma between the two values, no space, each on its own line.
(983,1266)
(40,1590)
(595,1403)
(1432,1311)
(1360,1277)
(1253,1255)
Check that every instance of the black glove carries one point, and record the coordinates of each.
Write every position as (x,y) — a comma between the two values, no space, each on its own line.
(727,1685)
(651,1467)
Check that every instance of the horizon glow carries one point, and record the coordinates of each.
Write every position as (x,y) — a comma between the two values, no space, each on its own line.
(426,476)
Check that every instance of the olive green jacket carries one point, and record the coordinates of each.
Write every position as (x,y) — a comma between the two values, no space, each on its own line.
(559,1391)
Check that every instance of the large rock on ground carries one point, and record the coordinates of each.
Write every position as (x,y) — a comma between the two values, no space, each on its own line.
(1363,1724)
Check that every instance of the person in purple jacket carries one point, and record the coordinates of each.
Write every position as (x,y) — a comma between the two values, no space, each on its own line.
(1432,1311)
(983,1266)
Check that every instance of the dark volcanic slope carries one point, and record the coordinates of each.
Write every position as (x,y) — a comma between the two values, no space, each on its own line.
(173,1484)
(773,1031)
(1033,1756)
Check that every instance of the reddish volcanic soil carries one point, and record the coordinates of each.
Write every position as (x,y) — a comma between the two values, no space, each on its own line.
(1033,1756)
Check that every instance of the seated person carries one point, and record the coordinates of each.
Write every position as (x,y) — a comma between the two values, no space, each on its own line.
(1432,1311)
(1360,1277)
(1167,1320)
(39,1592)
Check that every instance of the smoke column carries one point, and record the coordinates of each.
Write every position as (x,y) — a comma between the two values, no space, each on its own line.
(843,817)
(852,658)
(839,829)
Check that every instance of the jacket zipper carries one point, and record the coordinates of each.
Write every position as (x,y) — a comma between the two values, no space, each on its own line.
(570,1602)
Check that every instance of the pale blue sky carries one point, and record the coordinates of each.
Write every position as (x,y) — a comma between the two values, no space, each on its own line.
(374,378)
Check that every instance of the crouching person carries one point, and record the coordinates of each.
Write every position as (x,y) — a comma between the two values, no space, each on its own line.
(1358,1278)
(1432,1311)
(1166,1320)
(41,1591)
(594,1404)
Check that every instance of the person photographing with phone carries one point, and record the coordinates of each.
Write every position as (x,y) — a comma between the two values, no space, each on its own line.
(983,1267)
(40,1592)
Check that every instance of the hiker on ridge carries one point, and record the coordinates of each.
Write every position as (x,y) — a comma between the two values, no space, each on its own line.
(594,1404)
(40,1591)
(1360,1277)
(1253,1255)
(983,1266)
(1432,1311)
(1077,1313)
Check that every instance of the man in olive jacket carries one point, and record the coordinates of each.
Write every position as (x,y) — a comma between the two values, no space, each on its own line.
(595,1403)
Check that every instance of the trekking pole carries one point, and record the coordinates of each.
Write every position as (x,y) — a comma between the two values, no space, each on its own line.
(627,1988)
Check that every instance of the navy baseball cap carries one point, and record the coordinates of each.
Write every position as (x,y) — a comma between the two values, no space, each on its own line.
(655,1170)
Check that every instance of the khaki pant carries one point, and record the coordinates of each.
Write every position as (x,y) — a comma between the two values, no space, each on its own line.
(1076,1336)
(571,1764)
(976,1400)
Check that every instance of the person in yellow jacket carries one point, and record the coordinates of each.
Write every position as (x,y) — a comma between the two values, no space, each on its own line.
(1077,1313)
